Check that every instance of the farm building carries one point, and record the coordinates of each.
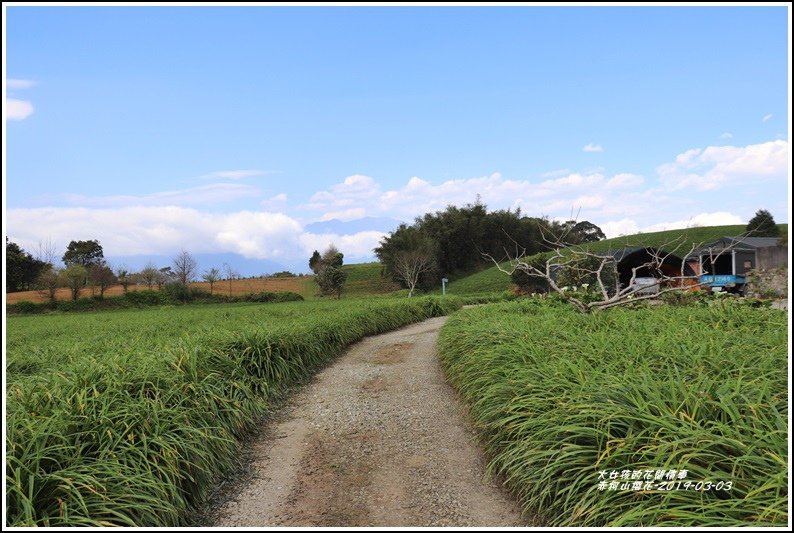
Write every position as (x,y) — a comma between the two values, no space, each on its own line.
(650,263)
(724,264)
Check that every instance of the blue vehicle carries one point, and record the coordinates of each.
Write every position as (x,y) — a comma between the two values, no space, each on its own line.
(724,264)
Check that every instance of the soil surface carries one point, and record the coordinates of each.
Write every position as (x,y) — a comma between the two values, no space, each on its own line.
(377,439)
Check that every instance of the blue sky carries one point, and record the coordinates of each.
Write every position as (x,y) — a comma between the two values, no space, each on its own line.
(234,129)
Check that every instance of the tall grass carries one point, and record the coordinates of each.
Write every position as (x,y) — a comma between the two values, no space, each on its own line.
(130,418)
(560,396)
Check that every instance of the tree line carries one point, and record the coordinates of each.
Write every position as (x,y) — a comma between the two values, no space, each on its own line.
(454,242)
(85,268)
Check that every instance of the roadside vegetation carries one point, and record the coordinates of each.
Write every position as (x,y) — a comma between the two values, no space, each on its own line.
(131,418)
(561,399)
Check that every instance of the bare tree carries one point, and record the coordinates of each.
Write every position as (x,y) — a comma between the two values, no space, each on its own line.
(46,251)
(231,274)
(410,264)
(606,291)
(184,267)
(211,276)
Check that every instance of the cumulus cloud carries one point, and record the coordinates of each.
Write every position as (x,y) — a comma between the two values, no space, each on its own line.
(352,191)
(354,246)
(18,109)
(625,180)
(626,226)
(234,174)
(590,147)
(204,195)
(718,166)
(346,215)
(165,230)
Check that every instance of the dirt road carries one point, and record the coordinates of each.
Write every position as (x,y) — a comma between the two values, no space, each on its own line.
(377,439)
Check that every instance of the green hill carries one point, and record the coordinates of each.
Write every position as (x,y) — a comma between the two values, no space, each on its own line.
(365,279)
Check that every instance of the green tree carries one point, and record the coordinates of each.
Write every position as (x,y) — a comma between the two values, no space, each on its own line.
(74,277)
(22,269)
(149,275)
(84,253)
(315,262)
(762,225)
(331,280)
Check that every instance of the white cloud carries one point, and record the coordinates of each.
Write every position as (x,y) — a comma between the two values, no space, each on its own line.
(355,246)
(353,191)
(18,109)
(206,194)
(234,174)
(766,117)
(625,180)
(348,214)
(590,147)
(166,230)
(718,166)
(726,135)
(627,226)
(12,83)
(618,228)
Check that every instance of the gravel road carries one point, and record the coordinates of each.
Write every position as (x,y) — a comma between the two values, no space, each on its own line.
(376,439)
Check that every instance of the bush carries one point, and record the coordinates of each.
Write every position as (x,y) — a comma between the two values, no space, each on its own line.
(145,298)
(25,306)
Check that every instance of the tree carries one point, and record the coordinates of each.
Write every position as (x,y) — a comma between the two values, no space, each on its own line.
(231,274)
(149,275)
(184,267)
(314,262)
(409,265)
(762,225)
(84,253)
(22,270)
(125,277)
(102,277)
(48,282)
(331,280)
(74,277)
(164,275)
(330,276)
(211,276)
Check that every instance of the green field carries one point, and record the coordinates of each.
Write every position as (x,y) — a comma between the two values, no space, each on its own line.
(560,397)
(131,417)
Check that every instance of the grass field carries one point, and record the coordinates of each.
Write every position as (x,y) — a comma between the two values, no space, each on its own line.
(561,399)
(130,418)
